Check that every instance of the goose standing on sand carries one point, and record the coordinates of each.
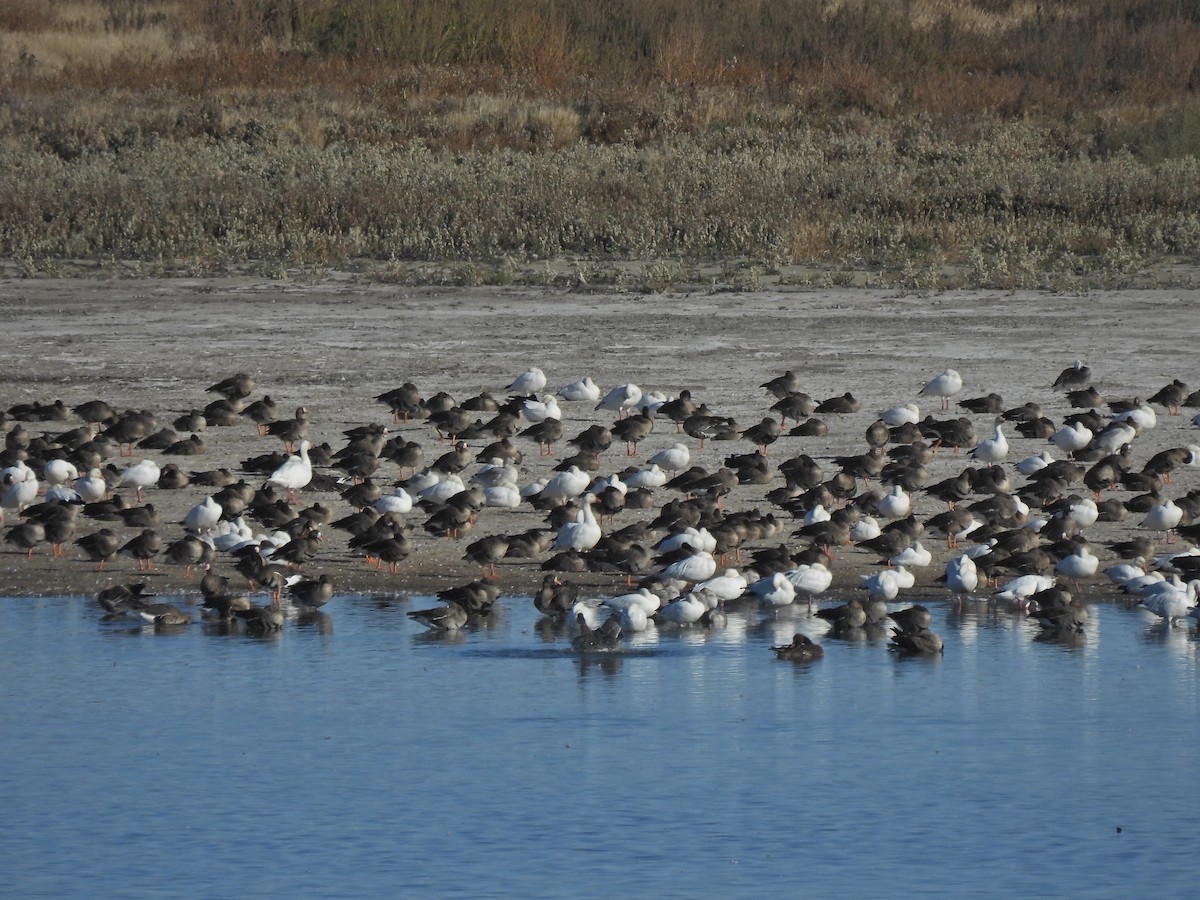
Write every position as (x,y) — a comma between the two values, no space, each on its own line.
(944,386)
(621,399)
(141,475)
(295,473)
(1164,518)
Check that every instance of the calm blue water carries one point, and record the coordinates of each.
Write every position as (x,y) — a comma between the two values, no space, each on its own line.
(359,757)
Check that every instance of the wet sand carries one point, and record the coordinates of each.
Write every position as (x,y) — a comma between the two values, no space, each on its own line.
(334,344)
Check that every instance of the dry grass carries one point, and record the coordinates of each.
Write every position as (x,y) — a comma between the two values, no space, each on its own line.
(1003,141)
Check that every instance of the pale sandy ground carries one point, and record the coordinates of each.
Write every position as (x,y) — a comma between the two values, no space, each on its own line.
(334,344)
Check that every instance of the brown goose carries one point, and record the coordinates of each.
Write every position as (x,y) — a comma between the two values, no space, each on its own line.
(291,430)
(235,387)
(262,412)
(144,548)
(801,649)
(99,547)
(313,593)
(633,430)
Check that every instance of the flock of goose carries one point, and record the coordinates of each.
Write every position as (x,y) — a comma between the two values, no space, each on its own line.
(1013,511)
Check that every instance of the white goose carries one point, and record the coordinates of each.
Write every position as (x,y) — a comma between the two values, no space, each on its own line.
(583,389)
(865,529)
(1072,437)
(566,485)
(399,501)
(897,504)
(698,567)
(914,555)
(810,579)
(540,410)
(59,471)
(1078,565)
(621,399)
(908,414)
(773,591)
(1171,602)
(651,476)
(816,515)
(20,486)
(1164,518)
(1020,589)
(142,475)
(673,459)
(729,585)
(581,534)
(495,473)
(531,381)
(1121,574)
(295,473)
(944,386)
(1034,463)
(993,450)
(883,585)
(1143,417)
(443,490)
(962,575)
(92,486)
(685,610)
(502,496)
(643,598)
(203,517)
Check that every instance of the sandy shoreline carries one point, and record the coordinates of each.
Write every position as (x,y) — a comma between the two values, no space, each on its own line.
(335,344)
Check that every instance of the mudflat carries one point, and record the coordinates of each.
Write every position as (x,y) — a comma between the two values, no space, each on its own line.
(335,343)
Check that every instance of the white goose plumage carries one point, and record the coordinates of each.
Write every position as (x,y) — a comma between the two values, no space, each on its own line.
(584,389)
(581,534)
(773,591)
(944,386)
(673,459)
(621,399)
(531,381)
(962,575)
(993,450)
(295,473)
(142,475)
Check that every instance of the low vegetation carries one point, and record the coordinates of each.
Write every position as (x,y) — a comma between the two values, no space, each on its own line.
(640,142)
